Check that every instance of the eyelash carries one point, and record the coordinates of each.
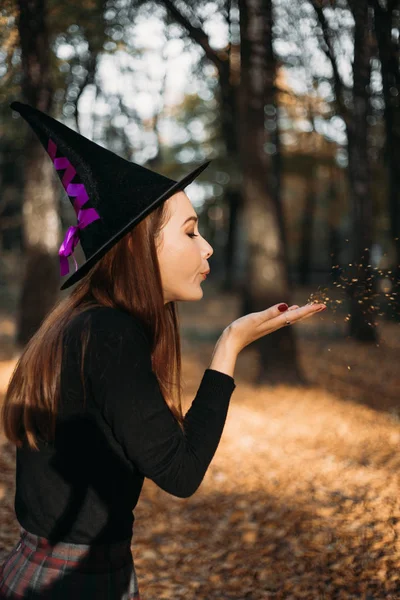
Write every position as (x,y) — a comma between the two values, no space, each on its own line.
(192,235)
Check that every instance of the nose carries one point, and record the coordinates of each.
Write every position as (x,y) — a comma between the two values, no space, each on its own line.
(210,250)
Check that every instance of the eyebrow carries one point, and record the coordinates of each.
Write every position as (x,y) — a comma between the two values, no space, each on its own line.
(191,219)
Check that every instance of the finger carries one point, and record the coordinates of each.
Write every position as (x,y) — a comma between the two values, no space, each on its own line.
(295,306)
(297,314)
(271,312)
(276,319)
(321,309)
(273,323)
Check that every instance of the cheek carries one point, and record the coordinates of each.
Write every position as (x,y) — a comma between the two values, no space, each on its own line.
(184,246)
(178,255)
(192,248)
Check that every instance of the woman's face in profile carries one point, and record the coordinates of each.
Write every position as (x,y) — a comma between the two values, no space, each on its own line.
(182,256)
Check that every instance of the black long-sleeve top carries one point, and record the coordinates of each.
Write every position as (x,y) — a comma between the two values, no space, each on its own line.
(112,432)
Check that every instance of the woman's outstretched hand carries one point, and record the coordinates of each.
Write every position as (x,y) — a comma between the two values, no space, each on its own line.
(249,328)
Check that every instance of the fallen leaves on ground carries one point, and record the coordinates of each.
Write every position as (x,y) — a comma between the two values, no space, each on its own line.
(301,500)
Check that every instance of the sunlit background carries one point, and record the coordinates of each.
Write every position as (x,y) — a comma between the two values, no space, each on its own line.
(299,113)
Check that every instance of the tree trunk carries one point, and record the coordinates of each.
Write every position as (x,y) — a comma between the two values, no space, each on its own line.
(228,88)
(359,286)
(307,228)
(389,52)
(266,281)
(41,278)
(234,199)
(272,149)
(334,226)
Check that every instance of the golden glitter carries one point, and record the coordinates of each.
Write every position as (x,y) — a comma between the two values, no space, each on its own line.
(371,289)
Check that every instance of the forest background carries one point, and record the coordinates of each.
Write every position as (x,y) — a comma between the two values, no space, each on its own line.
(297,106)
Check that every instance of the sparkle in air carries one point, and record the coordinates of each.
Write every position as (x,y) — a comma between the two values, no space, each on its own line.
(373,291)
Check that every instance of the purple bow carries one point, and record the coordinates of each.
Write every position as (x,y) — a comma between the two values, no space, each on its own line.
(85,217)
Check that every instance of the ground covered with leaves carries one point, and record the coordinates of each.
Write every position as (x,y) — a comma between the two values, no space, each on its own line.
(302,497)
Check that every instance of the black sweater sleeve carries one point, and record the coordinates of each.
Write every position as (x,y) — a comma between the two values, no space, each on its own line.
(127,391)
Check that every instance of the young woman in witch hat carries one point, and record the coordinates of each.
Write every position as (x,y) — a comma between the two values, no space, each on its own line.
(94,403)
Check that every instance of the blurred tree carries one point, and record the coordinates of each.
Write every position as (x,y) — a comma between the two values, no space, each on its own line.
(307,149)
(359,177)
(266,279)
(353,107)
(81,29)
(304,265)
(10,209)
(387,27)
(41,27)
(40,212)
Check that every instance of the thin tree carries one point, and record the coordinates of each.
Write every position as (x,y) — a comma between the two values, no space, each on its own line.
(41,228)
(387,21)
(353,107)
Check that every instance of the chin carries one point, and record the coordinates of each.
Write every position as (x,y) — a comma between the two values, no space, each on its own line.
(195,294)
(191,297)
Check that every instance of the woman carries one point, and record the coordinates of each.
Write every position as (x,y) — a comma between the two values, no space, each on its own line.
(94,404)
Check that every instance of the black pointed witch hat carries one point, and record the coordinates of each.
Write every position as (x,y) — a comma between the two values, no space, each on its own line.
(110,195)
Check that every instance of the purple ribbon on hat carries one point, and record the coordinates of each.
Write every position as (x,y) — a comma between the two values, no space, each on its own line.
(84,216)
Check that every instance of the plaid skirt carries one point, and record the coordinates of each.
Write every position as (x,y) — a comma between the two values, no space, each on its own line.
(37,570)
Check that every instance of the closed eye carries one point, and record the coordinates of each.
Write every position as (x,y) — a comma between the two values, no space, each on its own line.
(192,235)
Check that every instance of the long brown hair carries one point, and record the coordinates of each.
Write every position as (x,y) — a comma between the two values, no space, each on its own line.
(126,277)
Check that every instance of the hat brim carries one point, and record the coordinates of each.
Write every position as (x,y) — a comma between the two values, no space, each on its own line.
(179,185)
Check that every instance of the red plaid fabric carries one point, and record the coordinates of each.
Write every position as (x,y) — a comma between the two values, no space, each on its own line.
(37,570)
